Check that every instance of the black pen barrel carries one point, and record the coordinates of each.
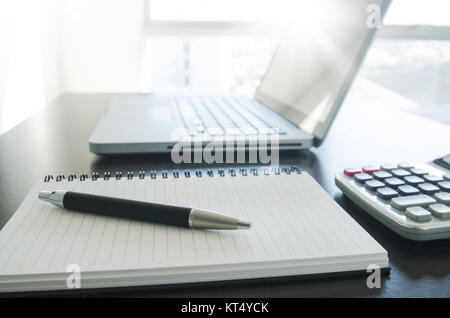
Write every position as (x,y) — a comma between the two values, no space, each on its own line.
(131,209)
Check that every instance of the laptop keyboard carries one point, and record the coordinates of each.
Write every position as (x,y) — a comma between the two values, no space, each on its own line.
(222,116)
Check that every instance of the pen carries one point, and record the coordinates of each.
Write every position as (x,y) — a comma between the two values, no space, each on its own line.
(144,211)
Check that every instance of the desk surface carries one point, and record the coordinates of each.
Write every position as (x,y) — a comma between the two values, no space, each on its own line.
(368,130)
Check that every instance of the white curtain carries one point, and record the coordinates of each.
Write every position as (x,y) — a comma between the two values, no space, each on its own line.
(48,47)
(29,66)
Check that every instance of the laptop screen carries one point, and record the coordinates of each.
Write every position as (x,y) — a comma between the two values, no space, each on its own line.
(317,59)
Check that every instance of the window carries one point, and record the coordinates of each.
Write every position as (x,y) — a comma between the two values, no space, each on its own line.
(212,45)
(411,55)
(418,12)
(216,45)
(207,64)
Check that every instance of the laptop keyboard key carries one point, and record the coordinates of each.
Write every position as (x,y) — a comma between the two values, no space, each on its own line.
(418,214)
(408,190)
(215,131)
(403,203)
(250,131)
(265,131)
(233,131)
(200,129)
(440,210)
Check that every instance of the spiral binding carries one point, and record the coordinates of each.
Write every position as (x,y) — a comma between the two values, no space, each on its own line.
(176,174)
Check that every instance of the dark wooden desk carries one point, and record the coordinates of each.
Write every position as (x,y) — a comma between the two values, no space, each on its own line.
(366,131)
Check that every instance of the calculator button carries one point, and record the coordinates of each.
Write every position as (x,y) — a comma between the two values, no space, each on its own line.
(447,176)
(418,214)
(418,172)
(381,175)
(362,177)
(432,178)
(408,190)
(405,165)
(394,182)
(444,185)
(440,210)
(442,197)
(388,166)
(413,180)
(386,193)
(374,184)
(428,188)
(402,203)
(400,173)
(351,171)
(370,169)
(446,159)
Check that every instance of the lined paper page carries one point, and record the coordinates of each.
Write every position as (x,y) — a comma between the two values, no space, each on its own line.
(292,218)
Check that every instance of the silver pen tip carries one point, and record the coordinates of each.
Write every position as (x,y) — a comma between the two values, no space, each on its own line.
(55,197)
(241,225)
(45,195)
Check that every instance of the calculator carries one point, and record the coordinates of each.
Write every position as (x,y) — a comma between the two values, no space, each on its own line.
(412,199)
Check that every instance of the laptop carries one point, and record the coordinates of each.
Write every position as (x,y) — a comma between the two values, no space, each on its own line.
(296,102)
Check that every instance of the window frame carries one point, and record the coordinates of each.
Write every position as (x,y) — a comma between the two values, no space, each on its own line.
(414,32)
(204,28)
(243,28)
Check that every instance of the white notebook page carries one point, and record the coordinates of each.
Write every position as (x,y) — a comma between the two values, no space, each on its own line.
(292,218)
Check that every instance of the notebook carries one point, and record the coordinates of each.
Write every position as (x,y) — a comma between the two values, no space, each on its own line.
(297,229)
